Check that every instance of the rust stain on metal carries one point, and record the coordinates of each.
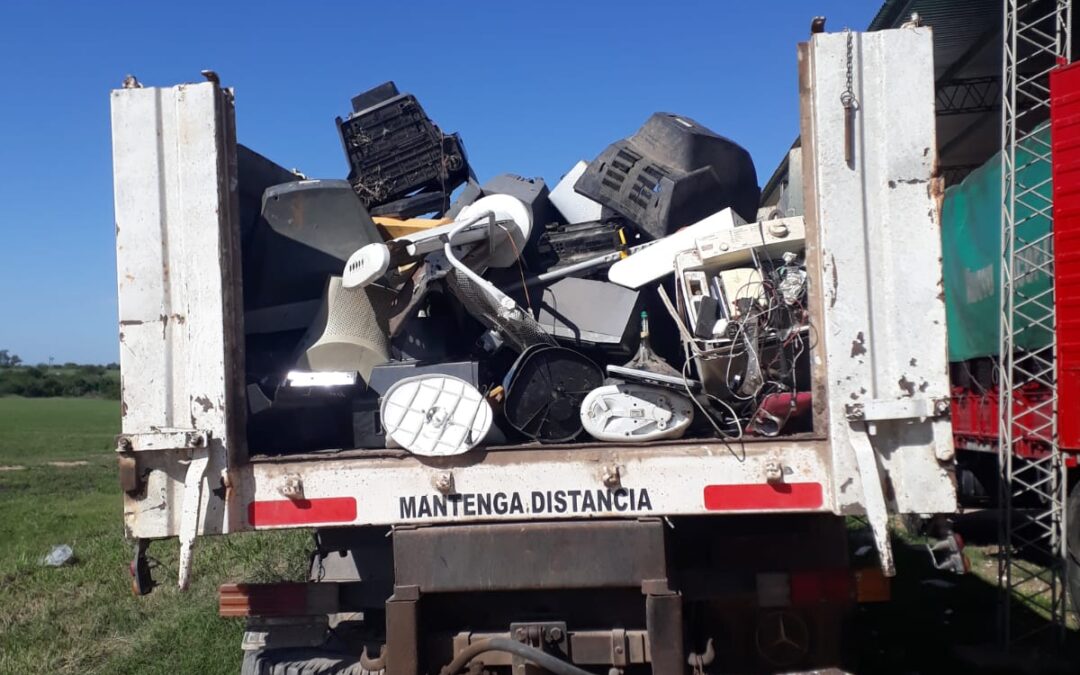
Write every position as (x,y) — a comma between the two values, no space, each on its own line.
(858,345)
(913,362)
(166,318)
(936,191)
(924,386)
(226,481)
(907,386)
(205,403)
(906,181)
(835,282)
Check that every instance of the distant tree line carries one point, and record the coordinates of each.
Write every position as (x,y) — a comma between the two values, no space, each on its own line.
(46,380)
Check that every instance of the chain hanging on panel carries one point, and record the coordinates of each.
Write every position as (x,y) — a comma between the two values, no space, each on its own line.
(849,102)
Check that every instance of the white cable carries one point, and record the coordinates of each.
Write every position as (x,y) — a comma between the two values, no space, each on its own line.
(504,302)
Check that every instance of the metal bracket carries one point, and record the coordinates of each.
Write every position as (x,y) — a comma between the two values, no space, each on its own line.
(551,636)
(620,648)
(142,582)
(131,480)
(874,500)
(189,516)
(184,441)
(875,410)
(164,439)
(879,410)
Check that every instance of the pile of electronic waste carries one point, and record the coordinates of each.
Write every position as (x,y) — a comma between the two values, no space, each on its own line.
(409,306)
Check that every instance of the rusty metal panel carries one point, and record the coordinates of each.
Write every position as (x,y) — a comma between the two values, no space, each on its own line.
(874,201)
(507,557)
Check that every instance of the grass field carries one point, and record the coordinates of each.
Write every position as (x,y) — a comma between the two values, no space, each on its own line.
(82,618)
(58,485)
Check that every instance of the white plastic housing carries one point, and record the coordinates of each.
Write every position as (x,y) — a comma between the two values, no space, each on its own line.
(635,413)
(435,415)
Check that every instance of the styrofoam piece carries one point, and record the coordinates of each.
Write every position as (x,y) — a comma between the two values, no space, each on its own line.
(657,260)
(635,413)
(435,415)
(366,265)
(573,207)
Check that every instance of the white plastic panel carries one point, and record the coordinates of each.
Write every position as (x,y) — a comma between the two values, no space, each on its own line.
(635,413)
(574,208)
(435,415)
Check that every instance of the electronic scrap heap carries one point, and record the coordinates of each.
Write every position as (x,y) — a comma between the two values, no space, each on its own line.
(613,426)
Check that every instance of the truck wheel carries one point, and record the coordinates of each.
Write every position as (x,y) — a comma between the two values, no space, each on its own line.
(1072,541)
(301,662)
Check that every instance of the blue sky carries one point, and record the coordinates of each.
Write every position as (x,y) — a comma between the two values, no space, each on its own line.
(531,87)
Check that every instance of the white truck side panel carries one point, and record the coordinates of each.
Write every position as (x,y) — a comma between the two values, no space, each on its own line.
(176,247)
(877,215)
(171,209)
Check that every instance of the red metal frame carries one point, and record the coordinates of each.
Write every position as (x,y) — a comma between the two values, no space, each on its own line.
(1065,148)
(975,419)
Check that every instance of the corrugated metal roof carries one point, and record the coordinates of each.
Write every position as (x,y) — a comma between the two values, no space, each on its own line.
(967,43)
(959,25)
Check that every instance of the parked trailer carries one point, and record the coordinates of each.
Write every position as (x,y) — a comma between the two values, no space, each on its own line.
(658,557)
(1046,392)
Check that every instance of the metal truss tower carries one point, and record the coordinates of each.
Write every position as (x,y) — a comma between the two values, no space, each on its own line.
(1032,563)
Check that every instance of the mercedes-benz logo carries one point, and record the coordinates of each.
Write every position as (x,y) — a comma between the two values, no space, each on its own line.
(782,638)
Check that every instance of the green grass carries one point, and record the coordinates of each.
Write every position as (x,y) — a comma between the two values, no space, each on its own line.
(82,618)
(58,429)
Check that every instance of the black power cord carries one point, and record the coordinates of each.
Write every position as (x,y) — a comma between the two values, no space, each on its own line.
(536,656)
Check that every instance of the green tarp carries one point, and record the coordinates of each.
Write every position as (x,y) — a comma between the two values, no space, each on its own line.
(971,255)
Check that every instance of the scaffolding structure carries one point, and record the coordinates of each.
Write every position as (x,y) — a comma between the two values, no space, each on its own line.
(1033,491)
